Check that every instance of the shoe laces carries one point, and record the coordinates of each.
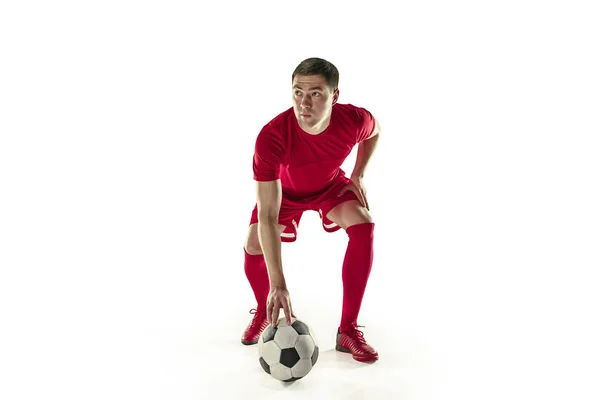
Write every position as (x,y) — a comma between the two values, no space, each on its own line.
(356,333)
(258,317)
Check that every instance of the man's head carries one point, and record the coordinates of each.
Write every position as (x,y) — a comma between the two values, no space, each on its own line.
(318,66)
(314,92)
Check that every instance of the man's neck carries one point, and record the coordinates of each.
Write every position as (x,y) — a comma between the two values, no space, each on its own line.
(316,129)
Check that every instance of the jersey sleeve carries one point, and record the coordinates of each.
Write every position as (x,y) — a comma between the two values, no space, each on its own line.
(268,153)
(366,124)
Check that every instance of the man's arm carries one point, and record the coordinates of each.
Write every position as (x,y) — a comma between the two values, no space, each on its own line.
(364,152)
(268,202)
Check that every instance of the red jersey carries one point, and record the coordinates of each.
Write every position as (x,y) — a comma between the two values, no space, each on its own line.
(307,164)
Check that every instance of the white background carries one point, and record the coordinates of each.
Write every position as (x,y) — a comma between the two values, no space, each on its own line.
(126,138)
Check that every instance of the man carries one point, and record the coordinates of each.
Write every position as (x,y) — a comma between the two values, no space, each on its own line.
(296,164)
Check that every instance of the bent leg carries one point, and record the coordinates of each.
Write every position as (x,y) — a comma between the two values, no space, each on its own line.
(258,277)
(256,268)
(358,260)
(349,213)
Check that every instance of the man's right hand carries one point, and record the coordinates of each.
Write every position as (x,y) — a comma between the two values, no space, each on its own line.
(279,297)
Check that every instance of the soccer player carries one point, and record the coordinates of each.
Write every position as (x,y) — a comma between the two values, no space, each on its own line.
(297,167)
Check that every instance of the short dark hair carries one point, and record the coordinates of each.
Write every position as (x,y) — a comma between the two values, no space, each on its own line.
(319,66)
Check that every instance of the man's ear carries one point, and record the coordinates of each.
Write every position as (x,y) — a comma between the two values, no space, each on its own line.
(336,95)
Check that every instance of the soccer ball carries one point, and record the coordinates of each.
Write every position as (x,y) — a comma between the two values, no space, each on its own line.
(287,352)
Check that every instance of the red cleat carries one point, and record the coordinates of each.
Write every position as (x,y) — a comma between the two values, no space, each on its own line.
(255,327)
(351,340)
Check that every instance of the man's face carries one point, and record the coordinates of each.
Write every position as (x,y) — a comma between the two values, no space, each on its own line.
(312,101)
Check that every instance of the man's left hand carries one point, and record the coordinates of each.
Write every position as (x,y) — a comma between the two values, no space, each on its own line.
(357,187)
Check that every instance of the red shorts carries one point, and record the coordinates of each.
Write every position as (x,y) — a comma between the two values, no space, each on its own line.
(291,210)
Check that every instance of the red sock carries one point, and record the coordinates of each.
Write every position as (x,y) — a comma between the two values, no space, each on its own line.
(258,276)
(356,270)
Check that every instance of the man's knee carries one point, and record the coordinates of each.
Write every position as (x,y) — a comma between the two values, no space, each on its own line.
(252,245)
(359,220)
(349,213)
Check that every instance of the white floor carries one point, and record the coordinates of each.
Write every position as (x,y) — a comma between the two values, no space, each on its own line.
(163,327)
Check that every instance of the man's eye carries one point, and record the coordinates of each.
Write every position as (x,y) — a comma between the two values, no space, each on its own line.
(316,94)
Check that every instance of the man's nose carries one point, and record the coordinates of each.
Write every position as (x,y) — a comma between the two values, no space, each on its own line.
(306,101)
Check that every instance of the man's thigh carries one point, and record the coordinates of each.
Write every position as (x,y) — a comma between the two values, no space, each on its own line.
(348,213)
(252,245)
(289,220)
(331,202)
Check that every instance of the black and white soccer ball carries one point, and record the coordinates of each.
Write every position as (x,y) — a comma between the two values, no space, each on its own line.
(288,352)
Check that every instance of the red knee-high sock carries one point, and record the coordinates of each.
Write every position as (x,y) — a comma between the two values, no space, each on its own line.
(258,276)
(356,270)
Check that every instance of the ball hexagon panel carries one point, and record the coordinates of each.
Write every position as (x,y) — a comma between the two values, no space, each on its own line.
(281,372)
(260,345)
(285,337)
(271,353)
(305,346)
(302,368)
